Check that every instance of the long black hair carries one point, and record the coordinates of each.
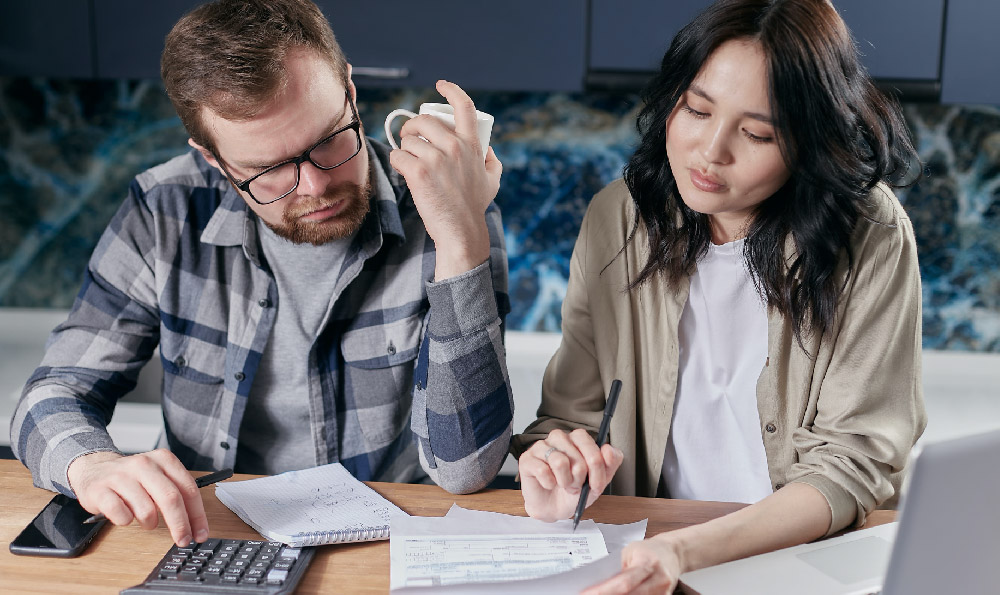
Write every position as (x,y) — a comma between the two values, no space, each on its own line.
(838,134)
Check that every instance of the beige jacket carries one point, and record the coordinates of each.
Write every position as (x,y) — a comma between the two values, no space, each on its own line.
(841,417)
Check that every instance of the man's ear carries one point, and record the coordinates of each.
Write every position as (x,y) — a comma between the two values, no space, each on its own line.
(207,155)
(350,85)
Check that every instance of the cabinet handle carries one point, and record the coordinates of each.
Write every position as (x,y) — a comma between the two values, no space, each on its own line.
(381,72)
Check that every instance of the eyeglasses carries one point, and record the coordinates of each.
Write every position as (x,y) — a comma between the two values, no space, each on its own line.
(280,180)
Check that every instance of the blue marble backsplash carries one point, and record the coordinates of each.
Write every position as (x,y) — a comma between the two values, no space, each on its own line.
(68,150)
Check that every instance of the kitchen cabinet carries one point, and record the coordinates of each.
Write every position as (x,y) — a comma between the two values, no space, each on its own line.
(522,45)
(526,45)
(130,35)
(898,39)
(33,43)
(971,66)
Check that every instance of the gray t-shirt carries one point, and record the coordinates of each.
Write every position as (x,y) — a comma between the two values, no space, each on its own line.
(274,435)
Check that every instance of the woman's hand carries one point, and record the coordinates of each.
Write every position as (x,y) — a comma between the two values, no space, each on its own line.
(553,472)
(649,566)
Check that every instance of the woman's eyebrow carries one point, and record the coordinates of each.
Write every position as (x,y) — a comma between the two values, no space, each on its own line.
(765,118)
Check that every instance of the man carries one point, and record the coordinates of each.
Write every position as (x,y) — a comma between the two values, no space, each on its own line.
(309,305)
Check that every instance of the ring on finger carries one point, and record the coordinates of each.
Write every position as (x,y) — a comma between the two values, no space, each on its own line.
(552,449)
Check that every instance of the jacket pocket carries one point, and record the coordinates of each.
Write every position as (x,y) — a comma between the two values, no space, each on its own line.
(379,362)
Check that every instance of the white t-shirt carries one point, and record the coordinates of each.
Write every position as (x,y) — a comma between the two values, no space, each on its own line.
(715,450)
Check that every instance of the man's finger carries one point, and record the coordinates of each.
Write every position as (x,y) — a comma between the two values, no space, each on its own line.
(465,109)
(494,169)
(172,505)
(140,504)
(194,506)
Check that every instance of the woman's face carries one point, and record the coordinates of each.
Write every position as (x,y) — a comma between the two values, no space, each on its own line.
(721,141)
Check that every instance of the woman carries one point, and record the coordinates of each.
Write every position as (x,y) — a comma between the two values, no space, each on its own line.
(753,282)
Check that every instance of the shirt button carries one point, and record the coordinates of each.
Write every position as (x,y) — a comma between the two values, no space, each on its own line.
(771,428)
(180,362)
(391,349)
(224,445)
(239,376)
(264,303)
(778,486)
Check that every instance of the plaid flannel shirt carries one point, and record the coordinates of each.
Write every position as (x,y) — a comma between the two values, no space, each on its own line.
(406,370)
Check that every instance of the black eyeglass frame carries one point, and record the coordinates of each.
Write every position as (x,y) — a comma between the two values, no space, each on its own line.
(244,185)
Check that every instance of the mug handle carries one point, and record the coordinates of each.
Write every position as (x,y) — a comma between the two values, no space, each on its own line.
(388,121)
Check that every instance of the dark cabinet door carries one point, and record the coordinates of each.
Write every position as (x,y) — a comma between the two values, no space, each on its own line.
(49,39)
(898,39)
(514,45)
(971,72)
(521,45)
(130,35)
(634,35)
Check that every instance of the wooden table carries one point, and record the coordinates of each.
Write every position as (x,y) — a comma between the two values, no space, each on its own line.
(122,556)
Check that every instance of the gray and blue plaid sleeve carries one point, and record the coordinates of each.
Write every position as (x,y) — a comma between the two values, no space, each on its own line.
(462,404)
(93,358)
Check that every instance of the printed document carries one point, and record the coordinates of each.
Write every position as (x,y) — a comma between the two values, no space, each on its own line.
(469,550)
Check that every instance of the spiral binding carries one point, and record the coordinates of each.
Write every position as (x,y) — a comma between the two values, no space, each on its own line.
(347,536)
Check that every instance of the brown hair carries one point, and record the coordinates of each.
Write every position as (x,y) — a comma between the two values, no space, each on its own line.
(228,56)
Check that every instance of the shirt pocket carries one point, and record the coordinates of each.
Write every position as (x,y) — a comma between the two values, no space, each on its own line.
(193,373)
(379,361)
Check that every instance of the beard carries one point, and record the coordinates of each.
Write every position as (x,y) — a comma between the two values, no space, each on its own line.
(344,224)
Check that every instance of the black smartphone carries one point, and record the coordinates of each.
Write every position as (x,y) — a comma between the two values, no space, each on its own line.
(58,530)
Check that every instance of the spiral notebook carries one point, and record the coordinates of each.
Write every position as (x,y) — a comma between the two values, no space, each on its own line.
(314,506)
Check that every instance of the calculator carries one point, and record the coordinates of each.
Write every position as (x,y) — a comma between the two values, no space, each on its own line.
(228,566)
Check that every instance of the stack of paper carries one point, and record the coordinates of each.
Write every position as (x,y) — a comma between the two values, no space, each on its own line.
(475,551)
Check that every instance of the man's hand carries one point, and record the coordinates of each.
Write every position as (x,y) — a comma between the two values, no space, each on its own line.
(553,471)
(648,566)
(135,487)
(451,184)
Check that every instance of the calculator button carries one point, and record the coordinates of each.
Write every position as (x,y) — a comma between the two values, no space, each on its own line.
(250,580)
(190,578)
(256,572)
(231,578)
(187,549)
(283,565)
(276,577)
(209,545)
(290,552)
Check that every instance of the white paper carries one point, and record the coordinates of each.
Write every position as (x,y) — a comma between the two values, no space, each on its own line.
(324,504)
(497,532)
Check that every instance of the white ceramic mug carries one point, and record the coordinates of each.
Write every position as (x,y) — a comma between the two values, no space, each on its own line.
(445,113)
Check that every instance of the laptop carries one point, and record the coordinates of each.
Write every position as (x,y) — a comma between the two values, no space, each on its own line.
(947,539)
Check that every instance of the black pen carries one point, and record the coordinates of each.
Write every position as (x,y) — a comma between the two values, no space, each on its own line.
(602,437)
(204,480)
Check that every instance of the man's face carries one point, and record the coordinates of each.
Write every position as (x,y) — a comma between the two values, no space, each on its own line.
(327,204)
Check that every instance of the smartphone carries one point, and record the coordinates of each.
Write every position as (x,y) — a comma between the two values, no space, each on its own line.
(58,530)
